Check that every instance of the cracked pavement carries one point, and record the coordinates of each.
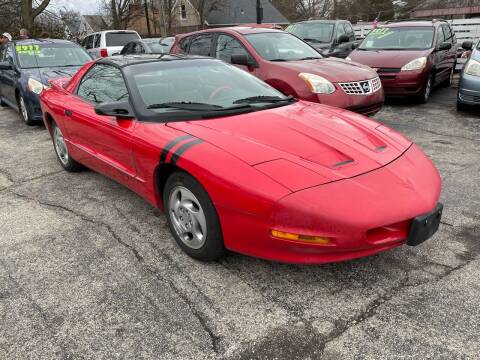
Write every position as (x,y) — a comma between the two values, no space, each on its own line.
(89,270)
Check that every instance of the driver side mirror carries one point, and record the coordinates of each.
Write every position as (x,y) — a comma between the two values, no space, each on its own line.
(242,59)
(343,39)
(118,109)
(467,45)
(5,65)
(445,46)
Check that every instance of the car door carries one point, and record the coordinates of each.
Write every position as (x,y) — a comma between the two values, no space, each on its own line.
(8,78)
(96,45)
(226,46)
(104,142)
(440,56)
(451,54)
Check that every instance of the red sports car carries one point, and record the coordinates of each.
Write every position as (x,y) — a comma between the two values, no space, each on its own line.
(237,165)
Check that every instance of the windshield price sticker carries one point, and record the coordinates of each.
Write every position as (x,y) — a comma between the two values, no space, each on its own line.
(381,32)
(28,49)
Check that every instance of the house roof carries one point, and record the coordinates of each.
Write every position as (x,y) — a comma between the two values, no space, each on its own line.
(73,25)
(235,12)
(445,4)
(96,22)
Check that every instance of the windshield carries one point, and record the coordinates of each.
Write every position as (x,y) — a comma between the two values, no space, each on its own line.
(120,38)
(281,47)
(400,38)
(200,85)
(314,32)
(51,55)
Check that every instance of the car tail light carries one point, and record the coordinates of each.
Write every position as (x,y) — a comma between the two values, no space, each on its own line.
(103,53)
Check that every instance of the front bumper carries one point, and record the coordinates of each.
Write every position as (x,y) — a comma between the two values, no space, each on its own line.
(469,90)
(368,104)
(363,215)
(32,101)
(403,83)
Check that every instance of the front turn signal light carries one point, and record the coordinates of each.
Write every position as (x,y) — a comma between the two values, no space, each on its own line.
(303,238)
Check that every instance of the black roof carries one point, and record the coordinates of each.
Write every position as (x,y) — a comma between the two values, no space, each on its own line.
(42,41)
(127,60)
(236,12)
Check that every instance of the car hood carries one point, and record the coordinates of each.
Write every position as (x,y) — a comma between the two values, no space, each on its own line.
(333,69)
(46,74)
(303,144)
(387,58)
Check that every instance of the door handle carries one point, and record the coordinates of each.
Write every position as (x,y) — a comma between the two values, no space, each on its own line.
(68,112)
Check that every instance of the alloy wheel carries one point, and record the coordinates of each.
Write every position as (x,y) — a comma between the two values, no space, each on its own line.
(187,217)
(60,146)
(23,109)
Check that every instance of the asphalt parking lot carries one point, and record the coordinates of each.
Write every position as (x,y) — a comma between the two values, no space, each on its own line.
(89,270)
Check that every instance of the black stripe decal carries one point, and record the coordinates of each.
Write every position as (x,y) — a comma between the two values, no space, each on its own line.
(171,145)
(176,155)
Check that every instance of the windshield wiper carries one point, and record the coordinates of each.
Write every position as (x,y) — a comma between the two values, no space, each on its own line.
(186,105)
(311,58)
(279,60)
(312,40)
(263,99)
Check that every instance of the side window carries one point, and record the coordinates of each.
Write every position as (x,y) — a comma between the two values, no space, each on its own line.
(448,33)
(96,41)
(89,42)
(138,49)
(340,31)
(184,44)
(9,54)
(440,35)
(201,45)
(348,29)
(103,83)
(3,50)
(228,46)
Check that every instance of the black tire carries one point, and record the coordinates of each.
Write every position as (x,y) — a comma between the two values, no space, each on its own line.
(448,82)
(461,106)
(24,111)
(424,96)
(212,246)
(68,163)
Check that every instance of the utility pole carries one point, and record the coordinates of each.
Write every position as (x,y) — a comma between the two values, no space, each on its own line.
(259,12)
(147,18)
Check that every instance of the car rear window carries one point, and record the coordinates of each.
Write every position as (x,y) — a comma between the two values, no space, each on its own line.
(120,38)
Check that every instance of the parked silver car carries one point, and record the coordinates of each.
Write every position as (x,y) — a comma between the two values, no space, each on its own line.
(469,87)
(107,43)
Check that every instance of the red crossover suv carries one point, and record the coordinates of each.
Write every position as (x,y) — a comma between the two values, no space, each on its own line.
(289,65)
(411,57)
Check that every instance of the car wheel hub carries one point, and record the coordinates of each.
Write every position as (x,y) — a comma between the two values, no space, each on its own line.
(23,109)
(60,146)
(187,217)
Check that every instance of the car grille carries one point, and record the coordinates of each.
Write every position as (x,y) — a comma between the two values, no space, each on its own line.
(469,98)
(362,87)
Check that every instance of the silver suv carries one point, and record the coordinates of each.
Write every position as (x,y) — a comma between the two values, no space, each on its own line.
(107,43)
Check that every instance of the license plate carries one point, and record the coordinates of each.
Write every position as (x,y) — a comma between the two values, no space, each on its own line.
(424,226)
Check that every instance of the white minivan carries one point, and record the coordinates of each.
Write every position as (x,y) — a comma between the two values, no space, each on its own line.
(107,43)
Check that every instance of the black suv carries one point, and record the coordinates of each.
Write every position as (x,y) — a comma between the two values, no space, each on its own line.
(328,37)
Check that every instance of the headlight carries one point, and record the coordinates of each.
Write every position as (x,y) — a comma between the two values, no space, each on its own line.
(417,64)
(35,86)
(317,84)
(472,68)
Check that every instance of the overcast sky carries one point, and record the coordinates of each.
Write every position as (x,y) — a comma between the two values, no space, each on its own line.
(84,6)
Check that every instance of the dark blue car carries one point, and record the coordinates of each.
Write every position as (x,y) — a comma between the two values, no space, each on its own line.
(26,66)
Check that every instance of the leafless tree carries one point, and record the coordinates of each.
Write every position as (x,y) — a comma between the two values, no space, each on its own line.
(29,11)
(120,12)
